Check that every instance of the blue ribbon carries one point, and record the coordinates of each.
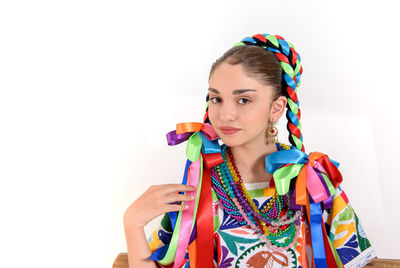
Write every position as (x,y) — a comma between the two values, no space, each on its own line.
(208,146)
(278,159)
(159,253)
(317,235)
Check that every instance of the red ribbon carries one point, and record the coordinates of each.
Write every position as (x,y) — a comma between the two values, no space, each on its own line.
(330,259)
(212,160)
(334,174)
(205,226)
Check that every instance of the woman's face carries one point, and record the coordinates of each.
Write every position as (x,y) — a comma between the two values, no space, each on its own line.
(238,101)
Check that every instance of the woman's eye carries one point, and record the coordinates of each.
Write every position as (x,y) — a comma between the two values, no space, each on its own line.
(217,100)
(213,98)
(246,100)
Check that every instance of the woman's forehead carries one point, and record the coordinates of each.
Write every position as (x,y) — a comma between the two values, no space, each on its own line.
(234,81)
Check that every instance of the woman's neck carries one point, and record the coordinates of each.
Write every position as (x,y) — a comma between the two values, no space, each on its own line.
(250,161)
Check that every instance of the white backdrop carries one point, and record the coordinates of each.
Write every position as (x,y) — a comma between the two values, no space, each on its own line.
(90,88)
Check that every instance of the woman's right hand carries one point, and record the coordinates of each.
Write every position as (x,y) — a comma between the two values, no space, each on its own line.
(156,201)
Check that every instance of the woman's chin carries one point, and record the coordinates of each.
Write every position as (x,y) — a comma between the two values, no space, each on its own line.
(231,142)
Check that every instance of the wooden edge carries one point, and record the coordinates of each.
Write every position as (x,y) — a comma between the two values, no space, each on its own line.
(122,262)
(384,263)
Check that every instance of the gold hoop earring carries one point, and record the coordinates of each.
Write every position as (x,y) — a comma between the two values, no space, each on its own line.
(271,134)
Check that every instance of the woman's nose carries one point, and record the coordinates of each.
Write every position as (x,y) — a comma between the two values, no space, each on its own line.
(228,112)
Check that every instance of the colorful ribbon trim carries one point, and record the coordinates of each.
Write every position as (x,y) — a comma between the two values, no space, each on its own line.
(188,215)
(202,146)
(309,170)
(317,181)
(316,184)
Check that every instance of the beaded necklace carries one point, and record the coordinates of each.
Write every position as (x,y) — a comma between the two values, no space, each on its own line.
(274,222)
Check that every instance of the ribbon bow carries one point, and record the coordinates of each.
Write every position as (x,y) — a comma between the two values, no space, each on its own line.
(200,136)
(317,177)
(316,173)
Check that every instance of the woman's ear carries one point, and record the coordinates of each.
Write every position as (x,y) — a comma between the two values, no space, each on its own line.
(278,108)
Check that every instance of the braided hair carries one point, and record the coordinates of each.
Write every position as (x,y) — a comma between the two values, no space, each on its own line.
(276,51)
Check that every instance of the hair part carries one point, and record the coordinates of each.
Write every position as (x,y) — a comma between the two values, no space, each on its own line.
(258,63)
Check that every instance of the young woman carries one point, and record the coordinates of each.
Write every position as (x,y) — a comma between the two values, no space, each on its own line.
(247,200)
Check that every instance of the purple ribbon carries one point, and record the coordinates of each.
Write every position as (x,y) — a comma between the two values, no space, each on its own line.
(174,139)
(293,205)
(328,203)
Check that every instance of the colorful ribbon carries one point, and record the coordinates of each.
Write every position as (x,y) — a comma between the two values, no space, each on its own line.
(317,180)
(310,171)
(202,146)
(188,215)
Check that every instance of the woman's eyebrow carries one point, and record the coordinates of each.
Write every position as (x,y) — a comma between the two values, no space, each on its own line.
(235,92)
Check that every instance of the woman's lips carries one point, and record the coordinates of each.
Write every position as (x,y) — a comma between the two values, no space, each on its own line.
(229,130)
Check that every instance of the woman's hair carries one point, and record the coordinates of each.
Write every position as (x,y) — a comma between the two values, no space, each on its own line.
(258,63)
(274,62)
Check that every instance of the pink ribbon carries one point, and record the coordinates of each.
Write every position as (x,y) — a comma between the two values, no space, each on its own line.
(209,131)
(314,184)
(187,215)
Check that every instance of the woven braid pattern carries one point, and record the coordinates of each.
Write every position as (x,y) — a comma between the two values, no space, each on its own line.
(289,60)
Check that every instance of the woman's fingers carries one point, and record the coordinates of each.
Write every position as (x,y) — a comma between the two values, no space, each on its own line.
(156,200)
(173,188)
(175,193)
(175,207)
(174,197)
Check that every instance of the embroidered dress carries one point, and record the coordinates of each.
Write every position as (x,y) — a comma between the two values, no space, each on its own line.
(238,245)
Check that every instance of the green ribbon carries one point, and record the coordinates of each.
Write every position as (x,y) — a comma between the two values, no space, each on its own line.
(193,147)
(283,175)
(332,189)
